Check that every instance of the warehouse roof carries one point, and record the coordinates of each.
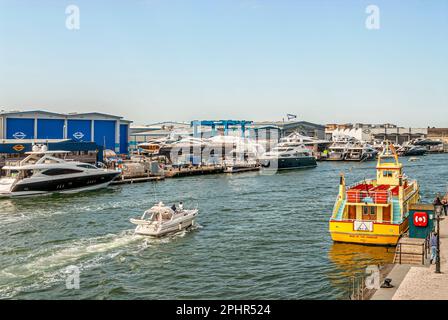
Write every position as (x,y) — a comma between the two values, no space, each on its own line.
(62,115)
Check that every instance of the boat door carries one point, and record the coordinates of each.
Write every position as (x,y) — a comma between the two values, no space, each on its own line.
(369,213)
(386,214)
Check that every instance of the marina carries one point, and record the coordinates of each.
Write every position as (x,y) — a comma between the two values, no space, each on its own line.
(236,244)
(210,158)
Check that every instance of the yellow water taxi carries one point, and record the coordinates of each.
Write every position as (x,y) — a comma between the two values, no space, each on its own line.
(375,211)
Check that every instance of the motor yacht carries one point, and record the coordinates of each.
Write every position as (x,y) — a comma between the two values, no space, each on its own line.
(43,172)
(243,157)
(316,145)
(411,150)
(359,151)
(339,148)
(288,155)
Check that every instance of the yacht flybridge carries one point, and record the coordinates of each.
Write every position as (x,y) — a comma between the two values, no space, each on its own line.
(42,172)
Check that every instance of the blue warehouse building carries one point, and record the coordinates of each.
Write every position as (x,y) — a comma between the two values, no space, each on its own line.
(107,131)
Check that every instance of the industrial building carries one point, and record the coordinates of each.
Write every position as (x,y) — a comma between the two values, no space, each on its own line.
(371,132)
(285,128)
(12,150)
(209,128)
(108,131)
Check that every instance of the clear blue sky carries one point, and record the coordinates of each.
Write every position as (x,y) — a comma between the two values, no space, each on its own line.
(241,59)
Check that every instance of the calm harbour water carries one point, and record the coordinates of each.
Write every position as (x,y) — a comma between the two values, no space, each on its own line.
(259,237)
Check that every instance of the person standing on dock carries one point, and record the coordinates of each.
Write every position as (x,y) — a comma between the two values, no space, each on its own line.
(181,206)
(445,204)
(437,201)
(433,243)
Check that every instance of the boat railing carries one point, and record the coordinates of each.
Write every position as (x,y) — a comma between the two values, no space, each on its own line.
(410,189)
(364,196)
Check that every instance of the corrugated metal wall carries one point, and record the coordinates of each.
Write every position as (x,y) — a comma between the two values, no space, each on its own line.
(79,130)
(104,133)
(2,130)
(50,128)
(18,128)
(124,138)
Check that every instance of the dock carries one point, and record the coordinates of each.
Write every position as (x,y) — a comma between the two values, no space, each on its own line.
(137,180)
(413,282)
(247,169)
(193,171)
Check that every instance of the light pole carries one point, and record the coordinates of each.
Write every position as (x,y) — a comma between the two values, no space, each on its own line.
(438,212)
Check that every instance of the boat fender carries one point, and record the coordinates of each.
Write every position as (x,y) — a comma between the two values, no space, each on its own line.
(180,226)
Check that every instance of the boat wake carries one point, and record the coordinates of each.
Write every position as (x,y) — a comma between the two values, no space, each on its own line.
(47,267)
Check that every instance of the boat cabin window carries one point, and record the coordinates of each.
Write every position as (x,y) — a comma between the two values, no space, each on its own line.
(87,166)
(12,173)
(368,210)
(27,173)
(387,174)
(57,172)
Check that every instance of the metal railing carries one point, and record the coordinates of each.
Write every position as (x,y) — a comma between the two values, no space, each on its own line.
(424,254)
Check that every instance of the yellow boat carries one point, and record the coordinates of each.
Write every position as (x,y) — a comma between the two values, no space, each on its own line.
(375,211)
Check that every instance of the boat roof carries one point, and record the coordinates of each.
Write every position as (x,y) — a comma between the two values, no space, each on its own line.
(48,152)
(41,166)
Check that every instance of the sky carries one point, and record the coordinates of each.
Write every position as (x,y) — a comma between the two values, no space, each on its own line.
(163,60)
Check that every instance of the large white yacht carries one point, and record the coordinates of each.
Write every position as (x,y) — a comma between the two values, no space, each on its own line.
(288,155)
(360,151)
(339,148)
(43,172)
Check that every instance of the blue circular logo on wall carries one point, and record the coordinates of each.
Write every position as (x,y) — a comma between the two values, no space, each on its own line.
(78,135)
(19,135)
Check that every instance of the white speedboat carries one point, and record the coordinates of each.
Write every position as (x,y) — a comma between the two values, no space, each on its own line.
(161,220)
(44,172)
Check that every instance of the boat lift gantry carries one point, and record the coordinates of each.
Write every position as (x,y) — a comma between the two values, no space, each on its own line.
(213,123)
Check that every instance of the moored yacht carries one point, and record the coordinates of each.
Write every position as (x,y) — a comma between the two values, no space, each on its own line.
(244,157)
(288,155)
(316,145)
(411,150)
(42,172)
(359,151)
(338,150)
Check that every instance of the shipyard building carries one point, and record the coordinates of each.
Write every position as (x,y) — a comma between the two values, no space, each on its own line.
(110,132)
(82,134)
(371,132)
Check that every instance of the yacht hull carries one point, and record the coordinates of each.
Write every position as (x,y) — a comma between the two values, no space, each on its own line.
(288,163)
(62,185)
(413,153)
(158,230)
